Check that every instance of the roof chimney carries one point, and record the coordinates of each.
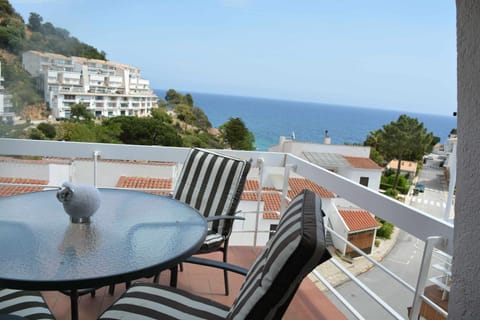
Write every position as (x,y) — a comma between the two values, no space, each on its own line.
(327,138)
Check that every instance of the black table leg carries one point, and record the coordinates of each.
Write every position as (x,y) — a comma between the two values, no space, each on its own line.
(74,303)
(173,276)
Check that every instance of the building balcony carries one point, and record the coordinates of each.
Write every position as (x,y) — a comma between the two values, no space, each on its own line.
(319,296)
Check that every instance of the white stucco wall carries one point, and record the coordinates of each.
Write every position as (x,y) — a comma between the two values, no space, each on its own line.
(26,170)
(108,173)
(58,174)
(464,300)
(297,147)
(355,174)
(337,224)
(243,230)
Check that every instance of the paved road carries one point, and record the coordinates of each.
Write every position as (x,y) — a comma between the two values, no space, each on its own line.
(404,259)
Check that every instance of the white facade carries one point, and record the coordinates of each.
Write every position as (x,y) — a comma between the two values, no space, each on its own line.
(297,147)
(334,155)
(371,177)
(107,89)
(6,113)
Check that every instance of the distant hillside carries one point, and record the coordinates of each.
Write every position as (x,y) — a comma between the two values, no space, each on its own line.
(17,37)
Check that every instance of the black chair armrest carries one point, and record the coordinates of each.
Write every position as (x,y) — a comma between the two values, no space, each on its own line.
(217,264)
(223,217)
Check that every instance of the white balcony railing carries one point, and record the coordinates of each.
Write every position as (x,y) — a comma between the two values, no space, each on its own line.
(437,234)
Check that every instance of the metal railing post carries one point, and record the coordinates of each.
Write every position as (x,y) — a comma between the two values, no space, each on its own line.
(96,154)
(286,178)
(430,244)
(260,165)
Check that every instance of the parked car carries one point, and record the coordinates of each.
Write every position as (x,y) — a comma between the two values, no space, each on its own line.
(419,187)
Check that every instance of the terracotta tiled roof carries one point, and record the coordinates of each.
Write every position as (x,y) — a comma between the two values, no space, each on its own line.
(272,199)
(408,166)
(145,183)
(35,161)
(362,163)
(298,184)
(62,160)
(250,185)
(271,216)
(358,219)
(6,190)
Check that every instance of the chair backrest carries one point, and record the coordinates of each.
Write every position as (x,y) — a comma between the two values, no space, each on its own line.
(295,250)
(212,183)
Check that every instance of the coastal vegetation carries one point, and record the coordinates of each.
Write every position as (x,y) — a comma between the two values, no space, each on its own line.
(178,122)
(16,37)
(404,139)
(236,135)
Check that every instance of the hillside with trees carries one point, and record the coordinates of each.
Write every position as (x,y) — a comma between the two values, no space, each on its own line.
(16,36)
(176,121)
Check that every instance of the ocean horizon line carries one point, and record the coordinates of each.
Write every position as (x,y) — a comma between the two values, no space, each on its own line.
(268,119)
(304,101)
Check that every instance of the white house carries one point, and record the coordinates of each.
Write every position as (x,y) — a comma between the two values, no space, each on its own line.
(351,162)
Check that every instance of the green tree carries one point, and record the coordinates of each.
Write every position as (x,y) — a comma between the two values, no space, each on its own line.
(161,115)
(6,8)
(185,114)
(80,112)
(161,103)
(236,135)
(35,134)
(201,140)
(201,119)
(79,131)
(35,22)
(373,141)
(47,129)
(188,99)
(12,34)
(173,97)
(405,139)
(145,131)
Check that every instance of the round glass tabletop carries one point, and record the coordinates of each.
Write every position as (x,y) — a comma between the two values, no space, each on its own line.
(133,234)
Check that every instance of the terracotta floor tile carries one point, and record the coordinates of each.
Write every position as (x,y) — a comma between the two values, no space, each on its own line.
(308,303)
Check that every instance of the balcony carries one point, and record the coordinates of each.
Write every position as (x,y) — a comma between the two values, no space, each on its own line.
(318,297)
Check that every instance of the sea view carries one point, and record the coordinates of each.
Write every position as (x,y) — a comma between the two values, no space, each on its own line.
(269,119)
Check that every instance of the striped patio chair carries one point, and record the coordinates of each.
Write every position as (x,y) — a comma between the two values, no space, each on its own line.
(295,250)
(213,183)
(26,304)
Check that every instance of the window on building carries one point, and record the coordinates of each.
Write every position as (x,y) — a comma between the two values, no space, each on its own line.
(364,181)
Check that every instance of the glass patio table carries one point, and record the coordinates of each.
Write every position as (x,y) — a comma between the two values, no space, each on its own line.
(132,235)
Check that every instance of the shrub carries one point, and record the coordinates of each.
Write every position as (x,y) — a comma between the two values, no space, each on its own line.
(391,193)
(385,230)
(48,130)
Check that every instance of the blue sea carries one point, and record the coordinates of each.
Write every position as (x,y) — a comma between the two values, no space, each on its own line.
(269,119)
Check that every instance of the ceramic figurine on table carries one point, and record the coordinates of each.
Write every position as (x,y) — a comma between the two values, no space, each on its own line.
(79,201)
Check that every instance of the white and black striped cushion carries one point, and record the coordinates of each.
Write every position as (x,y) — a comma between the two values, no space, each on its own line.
(296,249)
(150,301)
(212,183)
(27,304)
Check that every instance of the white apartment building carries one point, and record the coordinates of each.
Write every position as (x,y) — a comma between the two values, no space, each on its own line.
(6,113)
(108,89)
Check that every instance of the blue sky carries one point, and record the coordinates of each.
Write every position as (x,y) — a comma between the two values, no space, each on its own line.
(397,55)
